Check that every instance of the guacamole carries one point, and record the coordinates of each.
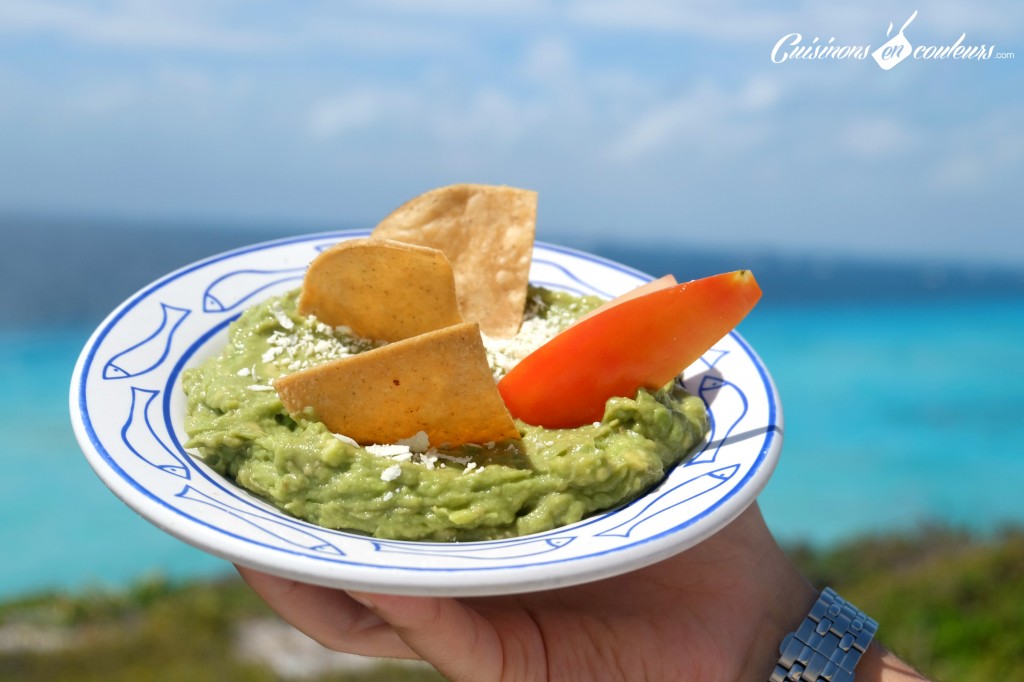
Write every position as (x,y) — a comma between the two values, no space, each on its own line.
(408,490)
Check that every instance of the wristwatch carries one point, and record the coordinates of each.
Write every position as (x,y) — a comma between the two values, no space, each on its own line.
(827,645)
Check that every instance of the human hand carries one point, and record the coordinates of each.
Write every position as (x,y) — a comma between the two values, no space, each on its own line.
(715,612)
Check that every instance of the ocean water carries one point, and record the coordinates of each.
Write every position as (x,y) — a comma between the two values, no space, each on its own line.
(59,525)
(899,414)
(902,388)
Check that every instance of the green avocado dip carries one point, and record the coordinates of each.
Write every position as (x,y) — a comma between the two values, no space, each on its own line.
(238,426)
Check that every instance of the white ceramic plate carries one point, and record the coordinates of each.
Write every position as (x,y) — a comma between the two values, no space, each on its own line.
(127,409)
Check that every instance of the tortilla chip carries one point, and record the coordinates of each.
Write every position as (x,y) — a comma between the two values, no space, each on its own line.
(487,233)
(438,382)
(381,289)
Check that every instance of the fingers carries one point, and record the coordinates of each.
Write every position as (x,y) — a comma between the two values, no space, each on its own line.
(329,616)
(454,638)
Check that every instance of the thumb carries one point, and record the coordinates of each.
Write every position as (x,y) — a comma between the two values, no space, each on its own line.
(452,637)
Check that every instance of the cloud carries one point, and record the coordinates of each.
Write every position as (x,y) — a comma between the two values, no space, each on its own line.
(358,109)
(874,138)
(739,21)
(132,24)
(502,9)
(542,87)
(167,95)
(709,119)
(982,155)
(229,26)
(712,20)
(550,61)
(476,119)
(980,20)
(106,98)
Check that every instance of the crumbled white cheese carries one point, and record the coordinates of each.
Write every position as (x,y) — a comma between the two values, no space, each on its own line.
(428,459)
(391,473)
(456,460)
(345,439)
(259,387)
(504,354)
(304,346)
(399,452)
(282,317)
(388,450)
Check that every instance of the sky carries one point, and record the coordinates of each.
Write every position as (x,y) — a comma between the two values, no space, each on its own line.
(649,121)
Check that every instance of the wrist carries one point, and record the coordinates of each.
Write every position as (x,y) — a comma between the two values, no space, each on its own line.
(776,598)
(782,599)
(881,665)
(781,614)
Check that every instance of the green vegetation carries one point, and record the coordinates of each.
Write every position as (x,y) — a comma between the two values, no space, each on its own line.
(155,632)
(949,602)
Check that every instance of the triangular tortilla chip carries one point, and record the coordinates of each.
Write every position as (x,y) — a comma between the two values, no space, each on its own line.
(381,289)
(487,233)
(438,382)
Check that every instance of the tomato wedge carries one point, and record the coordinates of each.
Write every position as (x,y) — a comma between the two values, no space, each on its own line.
(642,341)
(646,288)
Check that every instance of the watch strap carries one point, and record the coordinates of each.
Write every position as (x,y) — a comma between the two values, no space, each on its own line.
(828,644)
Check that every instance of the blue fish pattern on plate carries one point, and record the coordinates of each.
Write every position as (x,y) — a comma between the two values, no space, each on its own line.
(238,288)
(151,447)
(147,354)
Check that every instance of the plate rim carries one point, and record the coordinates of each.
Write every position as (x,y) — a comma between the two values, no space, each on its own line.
(492,580)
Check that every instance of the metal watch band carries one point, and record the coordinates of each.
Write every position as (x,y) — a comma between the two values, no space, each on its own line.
(827,645)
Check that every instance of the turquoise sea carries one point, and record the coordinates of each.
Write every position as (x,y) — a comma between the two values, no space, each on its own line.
(900,410)
(898,414)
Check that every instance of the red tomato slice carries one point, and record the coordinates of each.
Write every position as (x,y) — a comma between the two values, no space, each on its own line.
(643,341)
(646,288)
